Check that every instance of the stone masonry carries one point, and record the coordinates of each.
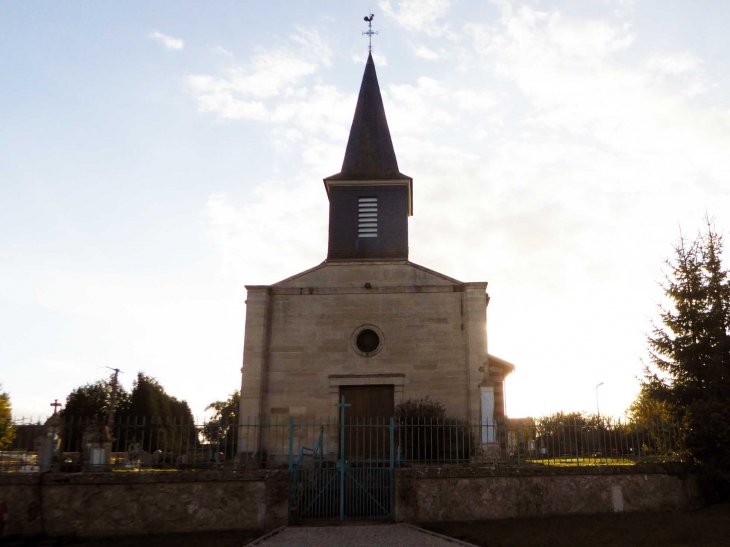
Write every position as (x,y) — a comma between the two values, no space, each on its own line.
(299,344)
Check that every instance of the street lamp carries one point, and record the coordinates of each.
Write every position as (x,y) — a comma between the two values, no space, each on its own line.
(598,412)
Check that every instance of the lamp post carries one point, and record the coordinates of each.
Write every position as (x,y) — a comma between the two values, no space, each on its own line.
(598,411)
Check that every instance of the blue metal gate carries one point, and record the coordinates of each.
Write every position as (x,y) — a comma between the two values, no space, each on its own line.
(359,483)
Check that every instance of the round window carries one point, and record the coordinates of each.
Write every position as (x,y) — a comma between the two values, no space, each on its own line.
(367,341)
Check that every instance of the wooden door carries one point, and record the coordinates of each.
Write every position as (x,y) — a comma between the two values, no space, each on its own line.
(367,434)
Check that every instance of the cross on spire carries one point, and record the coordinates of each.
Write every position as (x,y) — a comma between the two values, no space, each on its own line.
(369,32)
(55,404)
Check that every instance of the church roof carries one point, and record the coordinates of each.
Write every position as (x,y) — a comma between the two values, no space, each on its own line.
(369,154)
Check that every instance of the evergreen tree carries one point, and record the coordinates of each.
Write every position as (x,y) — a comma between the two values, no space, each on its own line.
(157,420)
(690,350)
(149,399)
(92,402)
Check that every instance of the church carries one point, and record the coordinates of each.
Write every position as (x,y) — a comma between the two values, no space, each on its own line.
(367,323)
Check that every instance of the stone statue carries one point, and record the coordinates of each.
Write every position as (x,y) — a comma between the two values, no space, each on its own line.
(486,380)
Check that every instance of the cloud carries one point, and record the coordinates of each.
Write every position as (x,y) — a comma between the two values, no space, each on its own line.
(418,15)
(474,100)
(215,95)
(291,220)
(430,105)
(567,70)
(243,89)
(680,63)
(222,51)
(425,52)
(168,41)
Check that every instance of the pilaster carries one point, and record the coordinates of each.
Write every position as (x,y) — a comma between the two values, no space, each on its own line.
(255,351)
(475,316)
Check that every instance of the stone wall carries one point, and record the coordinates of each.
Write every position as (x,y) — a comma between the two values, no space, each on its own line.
(424,495)
(105,504)
(117,504)
(299,346)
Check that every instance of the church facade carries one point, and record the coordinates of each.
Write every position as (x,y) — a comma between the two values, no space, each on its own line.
(367,323)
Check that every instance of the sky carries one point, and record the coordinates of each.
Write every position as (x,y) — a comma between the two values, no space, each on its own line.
(156,157)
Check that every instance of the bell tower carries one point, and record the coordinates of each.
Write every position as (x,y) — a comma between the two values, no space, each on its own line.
(370,199)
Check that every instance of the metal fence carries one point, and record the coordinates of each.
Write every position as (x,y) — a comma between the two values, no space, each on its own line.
(73,444)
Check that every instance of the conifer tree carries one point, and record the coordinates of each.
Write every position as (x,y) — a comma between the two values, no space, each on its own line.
(92,402)
(690,350)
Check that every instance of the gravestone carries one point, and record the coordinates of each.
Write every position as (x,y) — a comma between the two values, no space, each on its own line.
(49,445)
(96,448)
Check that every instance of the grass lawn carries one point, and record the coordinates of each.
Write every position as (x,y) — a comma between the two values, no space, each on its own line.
(601,460)
(573,462)
(708,527)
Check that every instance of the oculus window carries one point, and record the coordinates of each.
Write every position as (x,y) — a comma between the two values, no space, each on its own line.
(367,340)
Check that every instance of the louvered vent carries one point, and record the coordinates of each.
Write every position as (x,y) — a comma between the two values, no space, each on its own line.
(367,210)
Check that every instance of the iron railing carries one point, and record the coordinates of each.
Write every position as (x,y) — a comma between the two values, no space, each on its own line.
(78,444)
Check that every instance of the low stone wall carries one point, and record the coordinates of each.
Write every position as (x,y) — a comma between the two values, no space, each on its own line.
(456,494)
(116,504)
(106,504)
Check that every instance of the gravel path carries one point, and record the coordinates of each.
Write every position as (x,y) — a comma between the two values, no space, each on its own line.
(384,535)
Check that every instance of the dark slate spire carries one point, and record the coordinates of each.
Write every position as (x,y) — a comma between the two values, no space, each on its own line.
(369,154)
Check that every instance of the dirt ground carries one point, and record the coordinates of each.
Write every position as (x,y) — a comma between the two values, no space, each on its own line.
(708,527)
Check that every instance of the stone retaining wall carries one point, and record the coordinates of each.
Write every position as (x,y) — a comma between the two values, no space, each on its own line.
(431,495)
(106,504)
(115,504)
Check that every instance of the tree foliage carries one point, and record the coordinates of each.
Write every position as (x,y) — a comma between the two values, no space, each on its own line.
(222,428)
(424,410)
(146,414)
(647,409)
(92,401)
(690,350)
(566,433)
(7,431)
(426,433)
(146,399)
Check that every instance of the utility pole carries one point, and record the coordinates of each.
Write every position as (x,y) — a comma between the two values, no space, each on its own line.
(113,398)
(598,411)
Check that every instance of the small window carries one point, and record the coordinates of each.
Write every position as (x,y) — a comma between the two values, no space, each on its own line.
(367,341)
(367,221)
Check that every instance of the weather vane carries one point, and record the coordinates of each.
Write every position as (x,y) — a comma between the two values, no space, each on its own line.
(369,32)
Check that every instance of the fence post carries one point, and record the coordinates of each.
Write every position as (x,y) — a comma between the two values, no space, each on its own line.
(218,445)
(291,443)
(457,442)
(341,463)
(392,442)
(144,423)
